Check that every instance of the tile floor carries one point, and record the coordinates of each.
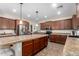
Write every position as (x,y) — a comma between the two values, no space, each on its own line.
(53,49)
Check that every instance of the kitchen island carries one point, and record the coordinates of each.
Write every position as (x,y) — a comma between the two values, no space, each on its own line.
(71,47)
(19,43)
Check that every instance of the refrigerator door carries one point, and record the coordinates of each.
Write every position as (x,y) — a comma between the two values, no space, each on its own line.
(22,29)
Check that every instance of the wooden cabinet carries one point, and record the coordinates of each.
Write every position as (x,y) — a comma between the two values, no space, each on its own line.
(36,46)
(53,38)
(39,44)
(68,24)
(27,48)
(58,38)
(57,25)
(42,44)
(75,22)
(46,41)
(6,23)
(31,47)
(12,24)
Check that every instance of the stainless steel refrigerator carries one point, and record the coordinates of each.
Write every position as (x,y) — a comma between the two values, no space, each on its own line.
(22,29)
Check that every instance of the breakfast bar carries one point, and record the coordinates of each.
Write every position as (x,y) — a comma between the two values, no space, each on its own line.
(18,43)
(71,47)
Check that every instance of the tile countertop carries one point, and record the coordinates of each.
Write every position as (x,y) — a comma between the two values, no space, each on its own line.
(71,47)
(14,39)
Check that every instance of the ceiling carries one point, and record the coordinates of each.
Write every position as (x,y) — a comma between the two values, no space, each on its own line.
(44,9)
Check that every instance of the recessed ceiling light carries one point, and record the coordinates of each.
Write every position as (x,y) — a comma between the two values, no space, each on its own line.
(54,5)
(45,16)
(14,10)
(28,15)
(58,12)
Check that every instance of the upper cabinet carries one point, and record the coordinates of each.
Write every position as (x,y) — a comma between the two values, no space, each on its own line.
(57,25)
(11,24)
(75,18)
(6,23)
(75,22)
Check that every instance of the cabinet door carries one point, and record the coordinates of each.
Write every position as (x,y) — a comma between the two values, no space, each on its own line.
(46,40)
(1,22)
(36,46)
(62,39)
(74,22)
(41,43)
(58,38)
(11,24)
(5,23)
(53,38)
(27,48)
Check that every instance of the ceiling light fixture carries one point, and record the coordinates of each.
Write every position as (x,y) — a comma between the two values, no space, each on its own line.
(21,4)
(58,12)
(54,5)
(37,17)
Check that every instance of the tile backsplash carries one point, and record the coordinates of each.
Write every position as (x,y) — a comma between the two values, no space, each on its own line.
(58,31)
(6,31)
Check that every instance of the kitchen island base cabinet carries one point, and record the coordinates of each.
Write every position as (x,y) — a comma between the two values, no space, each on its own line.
(27,48)
(42,43)
(39,44)
(32,47)
(46,41)
(36,46)
(58,38)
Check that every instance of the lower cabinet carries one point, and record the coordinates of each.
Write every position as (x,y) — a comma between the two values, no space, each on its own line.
(31,47)
(42,42)
(27,48)
(36,47)
(46,41)
(58,38)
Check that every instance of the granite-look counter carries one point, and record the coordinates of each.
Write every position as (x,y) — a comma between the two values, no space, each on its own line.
(14,39)
(71,47)
(61,34)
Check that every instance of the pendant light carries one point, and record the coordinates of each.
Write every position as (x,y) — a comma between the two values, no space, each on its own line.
(21,4)
(37,14)
(21,10)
